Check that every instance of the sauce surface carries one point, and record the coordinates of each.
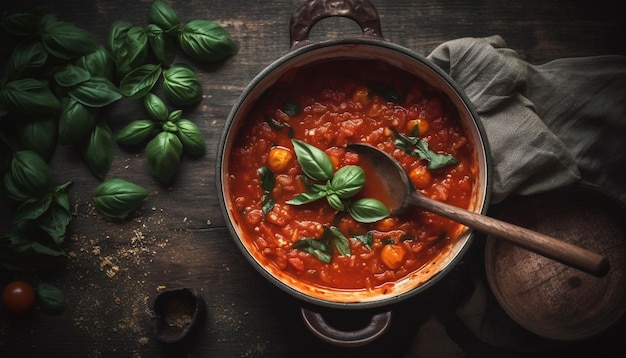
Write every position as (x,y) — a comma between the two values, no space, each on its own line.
(329,107)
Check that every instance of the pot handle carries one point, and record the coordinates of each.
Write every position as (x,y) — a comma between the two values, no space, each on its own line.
(310,12)
(316,323)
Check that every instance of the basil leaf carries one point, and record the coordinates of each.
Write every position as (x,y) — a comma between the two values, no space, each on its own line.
(340,241)
(435,160)
(191,137)
(135,132)
(162,15)
(21,252)
(50,299)
(28,96)
(315,192)
(71,75)
(386,93)
(95,92)
(367,239)
(66,41)
(22,24)
(347,181)
(32,209)
(138,82)
(182,85)
(174,116)
(136,46)
(322,250)
(26,60)
(314,162)
(97,149)
(164,152)
(116,42)
(368,210)
(40,136)
(51,213)
(162,45)
(415,146)
(98,63)
(205,40)
(268,183)
(12,191)
(30,173)
(291,108)
(335,202)
(76,121)
(279,126)
(117,198)
(155,107)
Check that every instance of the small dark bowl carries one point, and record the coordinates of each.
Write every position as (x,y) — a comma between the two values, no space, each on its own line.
(176,313)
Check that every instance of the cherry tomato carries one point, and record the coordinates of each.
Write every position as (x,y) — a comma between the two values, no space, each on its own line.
(392,255)
(18,297)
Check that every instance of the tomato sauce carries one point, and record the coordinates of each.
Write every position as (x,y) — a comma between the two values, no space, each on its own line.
(347,102)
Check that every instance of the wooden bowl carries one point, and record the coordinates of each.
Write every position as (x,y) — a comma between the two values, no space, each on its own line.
(548,298)
(176,313)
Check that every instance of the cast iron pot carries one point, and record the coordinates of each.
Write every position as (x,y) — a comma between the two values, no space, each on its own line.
(370,46)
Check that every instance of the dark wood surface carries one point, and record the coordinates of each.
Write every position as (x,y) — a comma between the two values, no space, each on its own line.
(179,238)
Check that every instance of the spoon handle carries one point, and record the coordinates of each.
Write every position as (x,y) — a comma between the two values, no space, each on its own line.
(541,244)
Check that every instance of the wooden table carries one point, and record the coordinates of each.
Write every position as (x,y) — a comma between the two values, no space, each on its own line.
(179,237)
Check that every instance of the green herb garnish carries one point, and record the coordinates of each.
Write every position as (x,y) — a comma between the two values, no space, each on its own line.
(339,186)
(268,182)
(415,146)
(322,248)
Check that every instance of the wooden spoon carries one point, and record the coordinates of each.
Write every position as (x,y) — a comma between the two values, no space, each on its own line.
(401,193)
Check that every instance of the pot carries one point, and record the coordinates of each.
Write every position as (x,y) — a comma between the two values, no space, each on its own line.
(371,45)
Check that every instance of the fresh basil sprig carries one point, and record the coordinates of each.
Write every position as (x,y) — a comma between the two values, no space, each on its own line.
(175,135)
(322,248)
(340,186)
(415,146)
(117,198)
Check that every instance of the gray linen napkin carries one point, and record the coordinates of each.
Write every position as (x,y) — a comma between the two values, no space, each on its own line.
(548,126)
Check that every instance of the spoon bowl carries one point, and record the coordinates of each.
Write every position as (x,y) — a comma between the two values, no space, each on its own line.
(400,194)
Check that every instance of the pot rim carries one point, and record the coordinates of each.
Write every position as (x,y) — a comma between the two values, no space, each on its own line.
(485,158)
